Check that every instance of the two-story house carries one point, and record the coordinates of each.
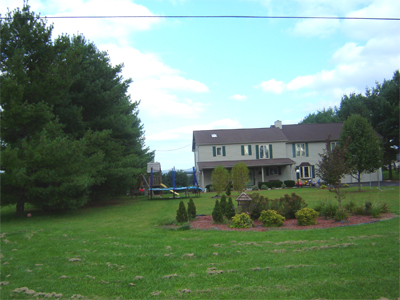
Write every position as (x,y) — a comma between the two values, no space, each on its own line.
(280,152)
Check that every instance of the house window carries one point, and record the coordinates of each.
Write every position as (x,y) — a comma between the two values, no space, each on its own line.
(264,151)
(273,171)
(246,149)
(333,145)
(301,149)
(218,151)
(305,172)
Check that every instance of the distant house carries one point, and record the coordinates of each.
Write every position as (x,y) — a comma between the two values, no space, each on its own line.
(280,152)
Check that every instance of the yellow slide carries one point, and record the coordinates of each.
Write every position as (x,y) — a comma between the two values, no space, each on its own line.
(165,187)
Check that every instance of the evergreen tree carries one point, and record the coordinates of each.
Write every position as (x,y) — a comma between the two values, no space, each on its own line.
(228,190)
(191,210)
(223,204)
(230,209)
(217,214)
(181,213)
(63,92)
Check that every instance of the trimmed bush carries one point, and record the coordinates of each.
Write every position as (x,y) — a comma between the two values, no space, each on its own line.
(242,221)
(276,184)
(229,209)
(290,183)
(181,213)
(270,218)
(322,187)
(290,205)
(222,204)
(228,190)
(264,187)
(191,210)
(209,187)
(255,188)
(306,216)
(217,214)
(341,214)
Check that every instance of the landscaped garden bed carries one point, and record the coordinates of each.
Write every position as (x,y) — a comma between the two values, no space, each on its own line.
(207,223)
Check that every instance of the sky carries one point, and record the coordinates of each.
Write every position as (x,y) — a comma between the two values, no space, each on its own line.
(200,74)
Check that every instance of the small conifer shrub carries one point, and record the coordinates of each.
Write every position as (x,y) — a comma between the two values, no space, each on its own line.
(242,221)
(306,216)
(223,204)
(181,213)
(191,210)
(228,190)
(270,218)
(229,209)
(217,214)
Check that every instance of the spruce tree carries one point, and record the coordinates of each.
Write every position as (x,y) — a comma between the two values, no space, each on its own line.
(228,190)
(181,213)
(217,214)
(230,209)
(191,210)
(223,204)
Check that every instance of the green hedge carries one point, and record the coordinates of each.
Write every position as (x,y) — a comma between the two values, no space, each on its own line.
(289,183)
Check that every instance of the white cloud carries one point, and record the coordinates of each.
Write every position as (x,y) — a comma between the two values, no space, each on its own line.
(238,97)
(272,85)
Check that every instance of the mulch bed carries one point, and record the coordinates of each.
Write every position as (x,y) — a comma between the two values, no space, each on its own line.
(206,223)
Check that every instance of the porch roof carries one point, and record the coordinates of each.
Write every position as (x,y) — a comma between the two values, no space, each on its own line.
(249,163)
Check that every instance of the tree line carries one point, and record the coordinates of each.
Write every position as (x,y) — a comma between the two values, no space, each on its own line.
(70,132)
(379,105)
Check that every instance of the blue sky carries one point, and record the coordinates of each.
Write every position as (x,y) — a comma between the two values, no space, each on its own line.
(194,74)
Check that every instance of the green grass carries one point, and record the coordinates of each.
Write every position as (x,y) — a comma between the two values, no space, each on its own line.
(113,244)
(395,174)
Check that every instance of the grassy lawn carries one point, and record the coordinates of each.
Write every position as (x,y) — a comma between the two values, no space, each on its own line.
(120,251)
(395,174)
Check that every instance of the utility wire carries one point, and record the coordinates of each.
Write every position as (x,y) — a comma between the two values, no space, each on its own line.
(211,17)
(173,149)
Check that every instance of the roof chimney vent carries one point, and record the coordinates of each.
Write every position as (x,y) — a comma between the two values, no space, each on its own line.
(278,124)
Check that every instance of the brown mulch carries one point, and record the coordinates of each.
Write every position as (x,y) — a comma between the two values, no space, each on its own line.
(206,223)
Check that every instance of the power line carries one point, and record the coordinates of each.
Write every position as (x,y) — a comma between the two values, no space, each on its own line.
(173,149)
(211,17)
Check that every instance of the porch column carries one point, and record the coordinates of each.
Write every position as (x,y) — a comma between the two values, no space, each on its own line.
(262,174)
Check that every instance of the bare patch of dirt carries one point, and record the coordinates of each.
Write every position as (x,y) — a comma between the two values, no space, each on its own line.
(206,223)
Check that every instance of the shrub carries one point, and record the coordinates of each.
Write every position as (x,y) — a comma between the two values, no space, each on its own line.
(290,183)
(228,190)
(359,210)
(328,210)
(191,210)
(242,221)
(345,185)
(376,211)
(341,214)
(306,216)
(350,206)
(181,213)
(276,184)
(217,214)
(290,205)
(229,209)
(368,208)
(255,188)
(267,184)
(322,187)
(209,187)
(270,218)
(384,208)
(222,204)
(264,187)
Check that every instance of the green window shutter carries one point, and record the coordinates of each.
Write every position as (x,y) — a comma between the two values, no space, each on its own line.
(214,151)
(297,174)
(257,152)
(242,148)
(306,149)
(294,150)
(270,151)
(312,172)
(249,146)
(223,151)
(279,170)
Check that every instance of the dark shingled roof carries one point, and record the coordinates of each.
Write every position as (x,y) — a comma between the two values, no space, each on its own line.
(312,132)
(237,136)
(249,163)
(288,133)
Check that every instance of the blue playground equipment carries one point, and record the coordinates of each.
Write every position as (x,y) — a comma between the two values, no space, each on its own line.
(174,190)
